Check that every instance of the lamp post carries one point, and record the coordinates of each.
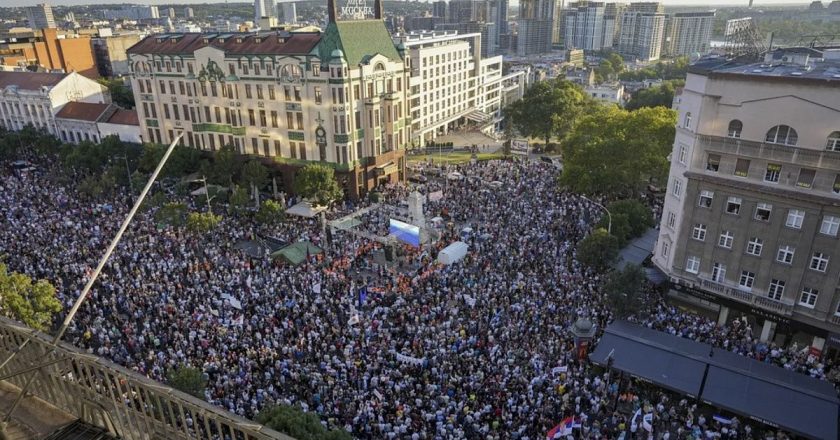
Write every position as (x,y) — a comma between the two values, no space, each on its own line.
(127,172)
(206,191)
(609,216)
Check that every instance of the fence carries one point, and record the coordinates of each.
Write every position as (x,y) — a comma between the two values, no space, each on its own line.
(104,394)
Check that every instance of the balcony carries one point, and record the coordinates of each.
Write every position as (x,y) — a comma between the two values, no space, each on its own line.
(781,307)
(813,158)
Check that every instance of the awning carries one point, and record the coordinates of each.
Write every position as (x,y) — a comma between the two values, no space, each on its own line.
(638,250)
(305,209)
(478,116)
(385,169)
(296,253)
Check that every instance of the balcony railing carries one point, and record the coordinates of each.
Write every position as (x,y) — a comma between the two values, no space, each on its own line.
(815,158)
(124,402)
(765,302)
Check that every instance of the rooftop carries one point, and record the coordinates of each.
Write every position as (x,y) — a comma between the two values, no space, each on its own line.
(276,42)
(30,80)
(82,111)
(124,117)
(776,66)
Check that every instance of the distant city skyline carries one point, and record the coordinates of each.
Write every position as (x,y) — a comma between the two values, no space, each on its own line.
(699,3)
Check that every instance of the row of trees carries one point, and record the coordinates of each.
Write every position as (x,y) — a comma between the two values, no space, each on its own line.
(673,69)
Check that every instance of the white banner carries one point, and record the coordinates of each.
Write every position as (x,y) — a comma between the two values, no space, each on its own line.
(434,196)
(409,359)
(235,303)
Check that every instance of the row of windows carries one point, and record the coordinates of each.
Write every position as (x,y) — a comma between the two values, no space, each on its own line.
(775,289)
(795,217)
(782,134)
(772,172)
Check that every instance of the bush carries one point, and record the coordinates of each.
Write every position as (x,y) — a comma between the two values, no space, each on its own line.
(270,213)
(202,222)
(630,219)
(172,214)
(623,290)
(189,380)
(291,420)
(598,250)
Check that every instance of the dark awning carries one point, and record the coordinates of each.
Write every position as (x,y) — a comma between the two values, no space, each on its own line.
(772,395)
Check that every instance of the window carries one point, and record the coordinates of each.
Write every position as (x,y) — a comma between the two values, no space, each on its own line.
(795,218)
(672,220)
(665,249)
(773,172)
(806,178)
(726,239)
(687,120)
(830,225)
(809,297)
(718,272)
(692,265)
(754,246)
(733,205)
(781,134)
(248,91)
(317,95)
(706,199)
(819,262)
(683,154)
(836,187)
(833,143)
(762,212)
(747,279)
(677,189)
(742,167)
(287,93)
(699,232)
(734,130)
(776,289)
(785,254)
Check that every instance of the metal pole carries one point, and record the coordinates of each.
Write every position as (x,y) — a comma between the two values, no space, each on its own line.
(128,174)
(609,216)
(206,193)
(69,318)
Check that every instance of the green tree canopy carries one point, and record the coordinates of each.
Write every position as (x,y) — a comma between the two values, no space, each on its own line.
(623,290)
(549,108)
(32,303)
(182,161)
(173,214)
(598,250)
(255,175)
(120,93)
(291,420)
(238,199)
(317,183)
(615,152)
(661,95)
(225,167)
(189,380)
(202,222)
(270,213)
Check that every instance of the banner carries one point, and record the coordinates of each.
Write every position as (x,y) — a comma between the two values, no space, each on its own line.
(409,359)
(434,196)
(235,303)
(519,146)
(316,288)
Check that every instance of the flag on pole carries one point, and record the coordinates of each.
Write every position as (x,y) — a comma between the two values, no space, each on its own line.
(722,420)
(563,428)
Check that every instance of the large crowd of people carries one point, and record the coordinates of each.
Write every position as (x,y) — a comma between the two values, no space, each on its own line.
(478,349)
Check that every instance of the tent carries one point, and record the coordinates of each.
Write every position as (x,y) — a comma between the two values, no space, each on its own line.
(453,253)
(305,209)
(296,253)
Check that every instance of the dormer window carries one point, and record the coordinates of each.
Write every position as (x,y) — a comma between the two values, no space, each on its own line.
(238,39)
(205,40)
(257,40)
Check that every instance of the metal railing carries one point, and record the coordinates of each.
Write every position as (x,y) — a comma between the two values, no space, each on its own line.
(765,302)
(104,394)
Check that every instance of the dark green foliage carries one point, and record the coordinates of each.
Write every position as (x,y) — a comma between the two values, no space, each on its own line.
(661,95)
(623,290)
(189,380)
(598,250)
(291,420)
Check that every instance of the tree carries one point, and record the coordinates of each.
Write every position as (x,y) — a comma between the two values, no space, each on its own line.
(255,175)
(270,213)
(639,216)
(616,152)
(549,108)
(226,165)
(120,93)
(292,421)
(661,95)
(182,161)
(32,303)
(238,199)
(202,222)
(623,290)
(317,183)
(173,214)
(598,250)
(188,380)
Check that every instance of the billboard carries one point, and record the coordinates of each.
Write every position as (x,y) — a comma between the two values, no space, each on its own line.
(405,232)
(519,146)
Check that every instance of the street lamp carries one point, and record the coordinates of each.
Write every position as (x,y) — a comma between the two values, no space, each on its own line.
(609,216)
(206,191)
(127,172)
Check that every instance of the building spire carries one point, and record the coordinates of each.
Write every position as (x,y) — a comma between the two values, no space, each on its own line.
(377,10)
(332,11)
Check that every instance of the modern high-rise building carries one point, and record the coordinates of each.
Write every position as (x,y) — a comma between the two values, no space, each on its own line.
(641,30)
(688,33)
(535,26)
(338,98)
(439,9)
(188,12)
(132,13)
(584,26)
(499,15)
(751,219)
(289,12)
(171,12)
(264,9)
(40,16)
(461,11)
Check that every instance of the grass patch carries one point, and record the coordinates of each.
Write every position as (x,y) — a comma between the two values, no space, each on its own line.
(453,158)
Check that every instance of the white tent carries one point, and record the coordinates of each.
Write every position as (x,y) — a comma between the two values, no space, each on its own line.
(453,253)
(305,209)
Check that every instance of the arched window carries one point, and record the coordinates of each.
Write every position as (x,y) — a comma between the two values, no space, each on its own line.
(379,67)
(687,120)
(781,134)
(734,130)
(833,143)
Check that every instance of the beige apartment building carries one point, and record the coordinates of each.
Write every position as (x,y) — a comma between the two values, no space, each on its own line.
(338,97)
(752,211)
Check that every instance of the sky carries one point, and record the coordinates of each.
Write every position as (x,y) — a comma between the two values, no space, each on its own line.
(757,3)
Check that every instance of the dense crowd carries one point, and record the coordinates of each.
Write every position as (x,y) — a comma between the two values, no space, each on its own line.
(479,349)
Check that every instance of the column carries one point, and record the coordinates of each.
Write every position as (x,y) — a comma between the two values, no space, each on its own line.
(767,330)
(723,315)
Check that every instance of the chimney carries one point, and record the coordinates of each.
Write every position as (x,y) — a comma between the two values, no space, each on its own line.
(377,9)
(332,11)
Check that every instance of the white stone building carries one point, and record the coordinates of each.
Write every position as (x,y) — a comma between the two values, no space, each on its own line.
(35,98)
(451,85)
(751,214)
(83,121)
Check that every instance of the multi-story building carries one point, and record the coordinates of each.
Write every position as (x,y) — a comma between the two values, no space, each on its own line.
(132,13)
(439,9)
(453,85)
(641,30)
(535,27)
(264,9)
(488,31)
(585,26)
(751,215)
(87,121)
(51,50)
(30,98)
(40,16)
(110,51)
(289,12)
(688,33)
(338,98)
(188,12)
